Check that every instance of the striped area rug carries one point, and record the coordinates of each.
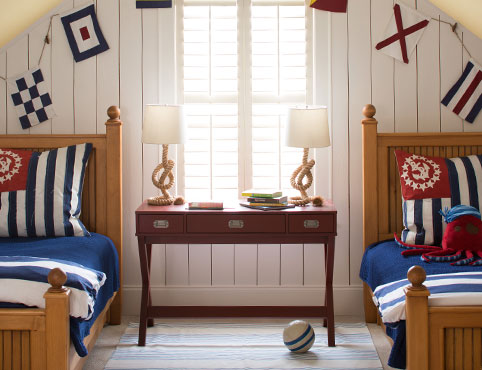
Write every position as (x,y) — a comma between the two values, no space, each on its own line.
(246,345)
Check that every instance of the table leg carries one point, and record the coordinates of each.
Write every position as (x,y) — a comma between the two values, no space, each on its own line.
(330,260)
(150,320)
(145,290)
(325,321)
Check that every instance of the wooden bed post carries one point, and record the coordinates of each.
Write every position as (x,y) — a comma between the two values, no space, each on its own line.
(114,190)
(57,326)
(370,201)
(416,310)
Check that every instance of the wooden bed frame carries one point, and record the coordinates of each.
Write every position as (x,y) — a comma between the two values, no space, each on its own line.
(39,339)
(438,338)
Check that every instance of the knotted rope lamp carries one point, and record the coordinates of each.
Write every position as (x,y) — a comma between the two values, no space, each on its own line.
(163,124)
(307,127)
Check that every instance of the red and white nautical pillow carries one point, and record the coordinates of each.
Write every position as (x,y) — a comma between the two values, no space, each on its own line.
(40,192)
(431,184)
(13,169)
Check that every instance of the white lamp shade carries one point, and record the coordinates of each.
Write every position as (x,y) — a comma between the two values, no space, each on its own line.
(307,127)
(163,124)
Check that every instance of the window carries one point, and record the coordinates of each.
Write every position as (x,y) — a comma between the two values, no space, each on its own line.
(240,64)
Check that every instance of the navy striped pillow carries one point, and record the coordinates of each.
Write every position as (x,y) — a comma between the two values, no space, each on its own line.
(431,184)
(40,193)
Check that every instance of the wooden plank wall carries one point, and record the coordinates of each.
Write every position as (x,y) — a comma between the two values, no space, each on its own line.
(140,68)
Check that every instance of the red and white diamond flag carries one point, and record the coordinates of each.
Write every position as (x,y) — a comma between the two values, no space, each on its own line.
(402,33)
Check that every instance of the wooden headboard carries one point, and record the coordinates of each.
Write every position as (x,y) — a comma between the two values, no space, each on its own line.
(382,200)
(102,192)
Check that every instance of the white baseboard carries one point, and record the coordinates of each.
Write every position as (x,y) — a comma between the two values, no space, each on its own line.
(348,300)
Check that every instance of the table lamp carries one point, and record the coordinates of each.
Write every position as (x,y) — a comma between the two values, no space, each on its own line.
(307,127)
(164,124)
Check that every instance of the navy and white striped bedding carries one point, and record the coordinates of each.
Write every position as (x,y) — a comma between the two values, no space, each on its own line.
(24,280)
(450,289)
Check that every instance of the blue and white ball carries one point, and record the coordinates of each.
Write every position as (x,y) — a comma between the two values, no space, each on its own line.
(298,336)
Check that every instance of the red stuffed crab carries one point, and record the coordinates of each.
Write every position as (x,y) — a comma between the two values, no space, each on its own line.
(462,239)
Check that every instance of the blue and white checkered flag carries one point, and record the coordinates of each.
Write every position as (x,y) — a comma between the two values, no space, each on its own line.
(31,97)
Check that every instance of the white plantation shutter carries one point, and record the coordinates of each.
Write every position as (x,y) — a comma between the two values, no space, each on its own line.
(240,67)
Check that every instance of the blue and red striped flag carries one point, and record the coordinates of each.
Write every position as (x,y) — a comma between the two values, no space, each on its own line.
(465,97)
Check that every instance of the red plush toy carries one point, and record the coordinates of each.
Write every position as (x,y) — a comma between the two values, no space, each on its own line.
(462,239)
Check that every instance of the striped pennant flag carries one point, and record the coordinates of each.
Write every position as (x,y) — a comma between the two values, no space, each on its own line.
(153,4)
(465,98)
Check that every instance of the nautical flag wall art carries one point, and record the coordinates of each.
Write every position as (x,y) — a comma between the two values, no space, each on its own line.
(465,97)
(153,4)
(31,97)
(338,6)
(402,33)
(83,33)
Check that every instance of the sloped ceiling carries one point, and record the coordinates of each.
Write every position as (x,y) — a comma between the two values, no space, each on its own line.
(17,15)
(466,12)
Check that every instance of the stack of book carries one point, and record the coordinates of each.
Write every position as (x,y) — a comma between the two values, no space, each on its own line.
(265,199)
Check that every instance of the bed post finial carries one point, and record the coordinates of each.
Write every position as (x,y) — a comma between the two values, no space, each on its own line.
(57,278)
(369,111)
(416,275)
(114,114)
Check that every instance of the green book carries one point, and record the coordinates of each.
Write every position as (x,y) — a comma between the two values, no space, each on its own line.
(262,193)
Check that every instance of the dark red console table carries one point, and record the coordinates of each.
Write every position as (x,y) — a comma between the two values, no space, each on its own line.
(240,225)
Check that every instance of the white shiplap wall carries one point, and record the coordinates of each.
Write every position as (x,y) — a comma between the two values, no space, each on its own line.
(139,69)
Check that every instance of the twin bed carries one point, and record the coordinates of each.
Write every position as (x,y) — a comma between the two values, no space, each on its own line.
(435,337)
(47,338)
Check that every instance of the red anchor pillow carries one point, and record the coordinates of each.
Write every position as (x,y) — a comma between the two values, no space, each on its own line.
(431,184)
(41,192)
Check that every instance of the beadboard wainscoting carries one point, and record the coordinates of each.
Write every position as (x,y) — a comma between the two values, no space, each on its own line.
(139,68)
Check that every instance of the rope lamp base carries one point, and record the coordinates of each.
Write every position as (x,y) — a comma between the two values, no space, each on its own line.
(317,201)
(296,180)
(161,201)
(165,199)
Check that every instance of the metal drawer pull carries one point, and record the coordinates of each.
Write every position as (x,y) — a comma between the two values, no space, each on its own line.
(311,224)
(161,224)
(236,224)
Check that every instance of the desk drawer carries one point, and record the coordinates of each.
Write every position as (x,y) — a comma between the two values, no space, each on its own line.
(236,224)
(160,224)
(311,223)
